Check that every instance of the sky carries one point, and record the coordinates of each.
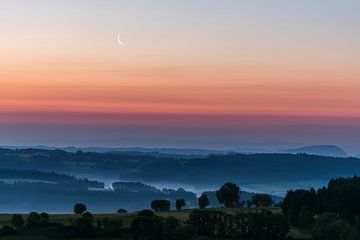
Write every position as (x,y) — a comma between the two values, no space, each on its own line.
(208,74)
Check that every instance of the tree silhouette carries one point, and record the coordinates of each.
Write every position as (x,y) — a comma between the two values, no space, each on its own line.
(229,195)
(79,208)
(203,201)
(180,203)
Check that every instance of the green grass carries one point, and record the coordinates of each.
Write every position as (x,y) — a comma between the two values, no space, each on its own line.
(296,233)
(31,237)
(66,219)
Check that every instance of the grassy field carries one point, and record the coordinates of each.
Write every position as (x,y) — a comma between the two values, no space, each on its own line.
(66,219)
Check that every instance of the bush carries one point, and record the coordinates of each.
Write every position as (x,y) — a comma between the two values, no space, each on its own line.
(262,200)
(184,232)
(331,227)
(44,218)
(79,208)
(263,225)
(208,222)
(174,230)
(17,221)
(306,216)
(7,230)
(88,216)
(83,226)
(147,228)
(33,220)
(146,213)
(170,225)
(111,225)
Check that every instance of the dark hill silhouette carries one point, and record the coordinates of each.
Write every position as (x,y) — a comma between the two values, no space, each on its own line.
(202,172)
(322,150)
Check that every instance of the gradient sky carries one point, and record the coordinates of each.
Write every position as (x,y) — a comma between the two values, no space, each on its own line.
(205,73)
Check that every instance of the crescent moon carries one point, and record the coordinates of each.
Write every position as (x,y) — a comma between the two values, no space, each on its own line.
(119,41)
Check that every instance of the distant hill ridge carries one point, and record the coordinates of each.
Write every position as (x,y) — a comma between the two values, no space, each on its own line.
(324,150)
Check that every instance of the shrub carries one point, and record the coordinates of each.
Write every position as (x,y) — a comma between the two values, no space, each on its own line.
(331,227)
(209,222)
(146,213)
(84,226)
(7,230)
(306,216)
(111,225)
(263,225)
(44,218)
(33,220)
(184,232)
(17,221)
(170,225)
(262,200)
(147,228)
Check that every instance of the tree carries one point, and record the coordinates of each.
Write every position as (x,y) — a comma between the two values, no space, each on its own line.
(79,208)
(262,200)
(33,220)
(17,221)
(44,217)
(180,203)
(121,210)
(203,201)
(295,200)
(160,205)
(229,195)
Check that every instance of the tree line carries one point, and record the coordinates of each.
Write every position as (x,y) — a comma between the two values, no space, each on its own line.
(331,212)
(228,196)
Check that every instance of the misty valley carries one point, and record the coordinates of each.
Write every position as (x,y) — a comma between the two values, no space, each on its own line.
(55,194)
(52,180)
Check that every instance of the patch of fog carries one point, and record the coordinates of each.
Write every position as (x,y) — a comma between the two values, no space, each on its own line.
(197,189)
(16,180)
(280,189)
(277,189)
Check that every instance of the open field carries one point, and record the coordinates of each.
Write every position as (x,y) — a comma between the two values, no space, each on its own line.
(67,219)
